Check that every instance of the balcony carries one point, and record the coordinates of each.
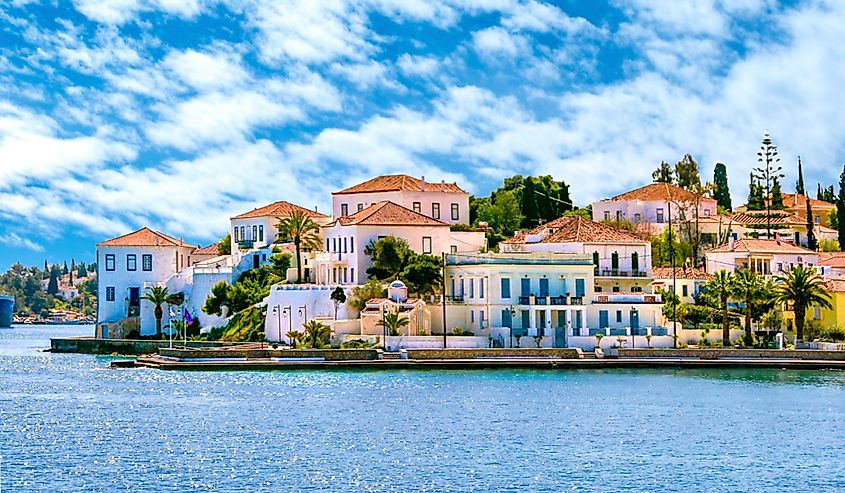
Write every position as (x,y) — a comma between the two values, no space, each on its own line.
(628,298)
(245,244)
(620,273)
(551,300)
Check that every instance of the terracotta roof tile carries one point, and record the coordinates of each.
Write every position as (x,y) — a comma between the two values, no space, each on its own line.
(681,273)
(832,259)
(659,191)
(576,229)
(213,249)
(836,285)
(759,219)
(144,237)
(278,209)
(797,200)
(386,213)
(760,245)
(394,183)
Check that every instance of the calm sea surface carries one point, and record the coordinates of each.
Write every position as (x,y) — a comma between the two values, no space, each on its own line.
(69,424)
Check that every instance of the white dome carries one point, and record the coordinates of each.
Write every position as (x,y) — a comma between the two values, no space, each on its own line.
(397,284)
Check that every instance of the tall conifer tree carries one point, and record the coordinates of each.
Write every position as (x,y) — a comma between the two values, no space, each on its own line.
(799,187)
(721,192)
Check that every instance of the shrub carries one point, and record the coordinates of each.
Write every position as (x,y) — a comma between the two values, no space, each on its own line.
(833,334)
(357,344)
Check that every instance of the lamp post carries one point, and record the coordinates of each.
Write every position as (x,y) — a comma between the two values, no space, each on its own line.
(303,312)
(513,314)
(287,311)
(384,325)
(278,313)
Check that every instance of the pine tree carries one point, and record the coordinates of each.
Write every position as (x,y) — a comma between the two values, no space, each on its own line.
(686,172)
(663,173)
(799,187)
(755,195)
(721,191)
(64,268)
(840,210)
(768,173)
(812,244)
(819,193)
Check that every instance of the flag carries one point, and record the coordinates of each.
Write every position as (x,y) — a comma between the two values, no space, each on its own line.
(188,318)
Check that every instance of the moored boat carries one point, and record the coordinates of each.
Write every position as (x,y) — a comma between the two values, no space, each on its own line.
(7,308)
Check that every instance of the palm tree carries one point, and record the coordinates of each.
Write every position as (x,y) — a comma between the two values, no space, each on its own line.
(316,332)
(304,233)
(749,288)
(721,287)
(393,323)
(158,296)
(804,288)
(294,337)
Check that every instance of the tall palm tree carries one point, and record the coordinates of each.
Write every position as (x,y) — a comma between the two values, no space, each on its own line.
(158,296)
(304,233)
(804,288)
(748,287)
(316,333)
(393,323)
(721,287)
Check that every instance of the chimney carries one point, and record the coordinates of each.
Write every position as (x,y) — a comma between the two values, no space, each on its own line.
(422,184)
(315,208)
(442,185)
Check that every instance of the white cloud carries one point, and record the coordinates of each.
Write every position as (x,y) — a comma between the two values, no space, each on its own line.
(207,70)
(16,241)
(367,75)
(495,42)
(121,11)
(417,65)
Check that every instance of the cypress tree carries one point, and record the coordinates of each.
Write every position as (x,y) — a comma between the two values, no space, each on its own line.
(830,195)
(819,194)
(722,193)
(812,244)
(64,268)
(777,196)
(840,210)
(799,187)
(53,285)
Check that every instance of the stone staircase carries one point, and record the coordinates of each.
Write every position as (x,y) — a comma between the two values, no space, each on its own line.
(388,355)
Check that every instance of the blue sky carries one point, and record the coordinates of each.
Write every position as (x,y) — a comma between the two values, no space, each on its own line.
(178,114)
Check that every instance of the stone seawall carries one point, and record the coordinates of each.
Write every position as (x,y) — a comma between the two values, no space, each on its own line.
(128,347)
(325,354)
(566,353)
(723,353)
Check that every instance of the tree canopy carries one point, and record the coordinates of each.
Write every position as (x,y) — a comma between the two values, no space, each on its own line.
(721,191)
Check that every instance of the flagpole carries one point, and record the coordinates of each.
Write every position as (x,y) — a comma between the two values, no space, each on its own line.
(170,329)
(184,325)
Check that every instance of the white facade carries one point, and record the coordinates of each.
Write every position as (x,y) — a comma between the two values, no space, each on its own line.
(449,207)
(343,260)
(766,257)
(651,204)
(548,295)
(125,271)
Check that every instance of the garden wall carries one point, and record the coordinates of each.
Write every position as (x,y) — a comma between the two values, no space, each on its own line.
(569,353)
(325,354)
(89,345)
(729,353)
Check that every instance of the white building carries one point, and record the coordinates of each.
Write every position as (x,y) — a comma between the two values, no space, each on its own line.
(343,260)
(832,264)
(621,260)
(126,265)
(257,228)
(445,202)
(687,281)
(543,294)
(652,205)
(766,257)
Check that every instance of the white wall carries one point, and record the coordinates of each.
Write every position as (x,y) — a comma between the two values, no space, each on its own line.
(315,298)
(166,261)
(648,210)
(406,199)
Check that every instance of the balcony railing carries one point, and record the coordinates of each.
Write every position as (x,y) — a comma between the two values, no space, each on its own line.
(627,298)
(245,244)
(551,300)
(621,273)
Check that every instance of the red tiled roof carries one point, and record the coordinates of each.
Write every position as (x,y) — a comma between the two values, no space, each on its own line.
(681,273)
(394,183)
(797,200)
(577,229)
(386,213)
(759,219)
(832,259)
(144,237)
(660,191)
(836,285)
(759,245)
(278,209)
(213,249)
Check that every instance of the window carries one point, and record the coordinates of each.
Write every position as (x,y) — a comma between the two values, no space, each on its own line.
(472,316)
(344,244)
(455,212)
(435,211)
(481,288)
(614,263)
(236,233)
(544,287)
(659,214)
(817,219)
(636,289)
(254,233)
(596,262)
(684,290)
(360,207)
(506,287)
(110,262)
(472,288)
(327,244)
(334,244)
(525,286)
(426,245)
(453,249)
(110,293)
(619,316)
(637,218)
(507,318)
(344,210)
(131,262)
(580,288)
(147,262)
(352,274)
(243,235)
(481,317)
(618,216)
(344,274)
(417,207)
(615,289)
(607,215)
(261,232)
(706,212)
(351,244)
(817,313)
(635,262)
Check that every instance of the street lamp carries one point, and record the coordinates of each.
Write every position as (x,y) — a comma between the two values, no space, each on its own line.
(278,313)
(513,314)
(303,312)
(286,310)
(384,325)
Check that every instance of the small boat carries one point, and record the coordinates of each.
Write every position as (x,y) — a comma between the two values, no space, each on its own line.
(7,308)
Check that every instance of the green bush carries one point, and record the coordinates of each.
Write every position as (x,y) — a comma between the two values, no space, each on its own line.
(357,344)
(833,334)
